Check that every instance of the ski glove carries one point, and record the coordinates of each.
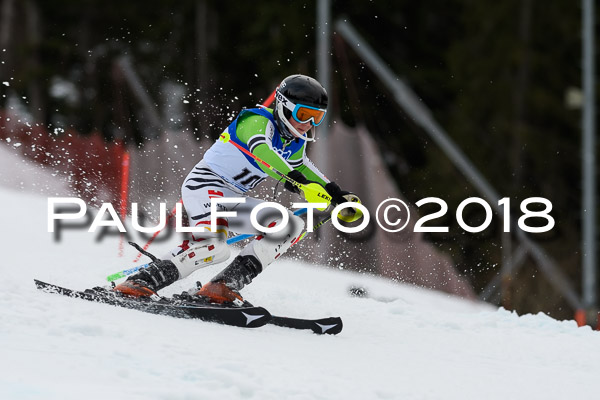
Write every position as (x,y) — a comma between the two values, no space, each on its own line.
(339,196)
(298,177)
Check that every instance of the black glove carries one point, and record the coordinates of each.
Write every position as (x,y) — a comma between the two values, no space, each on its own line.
(337,194)
(298,177)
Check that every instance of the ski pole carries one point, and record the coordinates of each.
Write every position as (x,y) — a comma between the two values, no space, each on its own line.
(317,226)
(313,192)
(234,239)
(132,270)
(149,242)
(239,238)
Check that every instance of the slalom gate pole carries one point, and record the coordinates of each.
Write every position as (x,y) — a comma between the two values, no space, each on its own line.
(125,165)
(265,103)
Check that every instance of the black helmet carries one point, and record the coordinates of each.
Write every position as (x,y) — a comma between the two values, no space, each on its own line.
(303,98)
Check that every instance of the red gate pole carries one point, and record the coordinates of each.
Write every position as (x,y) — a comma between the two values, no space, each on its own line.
(125,165)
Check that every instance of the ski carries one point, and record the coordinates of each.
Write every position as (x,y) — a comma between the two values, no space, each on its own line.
(330,326)
(183,306)
(247,317)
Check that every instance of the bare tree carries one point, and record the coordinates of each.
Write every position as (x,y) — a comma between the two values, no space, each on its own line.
(33,25)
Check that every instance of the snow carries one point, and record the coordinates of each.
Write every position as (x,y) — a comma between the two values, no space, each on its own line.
(401,343)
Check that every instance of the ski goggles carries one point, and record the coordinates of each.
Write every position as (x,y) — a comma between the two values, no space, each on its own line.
(303,113)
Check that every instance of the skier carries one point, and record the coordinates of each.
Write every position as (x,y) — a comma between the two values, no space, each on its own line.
(277,136)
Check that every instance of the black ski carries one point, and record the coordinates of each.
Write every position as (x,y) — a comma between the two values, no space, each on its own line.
(183,307)
(248,317)
(330,326)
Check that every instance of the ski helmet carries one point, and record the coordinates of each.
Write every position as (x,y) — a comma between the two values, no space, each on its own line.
(304,99)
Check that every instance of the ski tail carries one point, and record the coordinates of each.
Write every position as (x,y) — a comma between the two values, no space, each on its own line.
(330,326)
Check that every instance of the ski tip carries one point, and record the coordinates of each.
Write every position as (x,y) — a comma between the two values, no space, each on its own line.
(45,287)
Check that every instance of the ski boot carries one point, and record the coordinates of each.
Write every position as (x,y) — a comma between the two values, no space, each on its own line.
(149,280)
(224,287)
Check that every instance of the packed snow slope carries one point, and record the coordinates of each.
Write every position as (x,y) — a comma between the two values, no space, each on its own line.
(402,343)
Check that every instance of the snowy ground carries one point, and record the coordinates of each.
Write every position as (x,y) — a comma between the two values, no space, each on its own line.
(404,343)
